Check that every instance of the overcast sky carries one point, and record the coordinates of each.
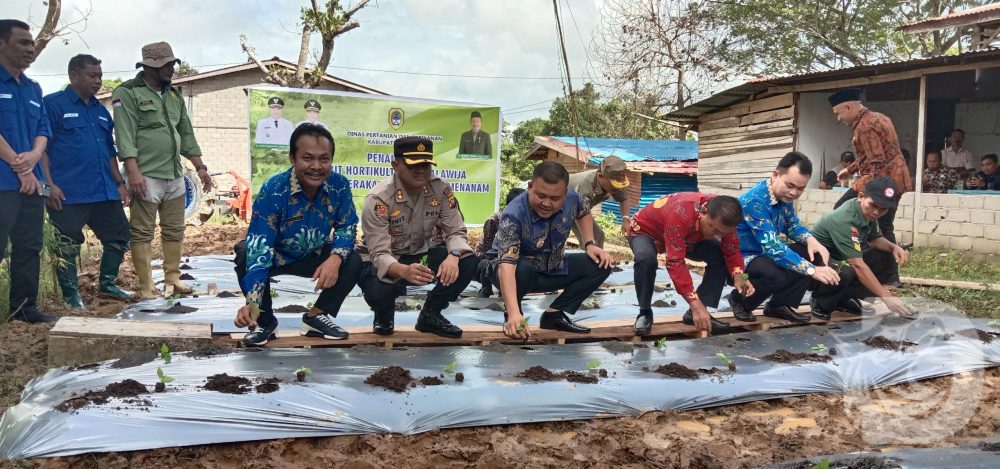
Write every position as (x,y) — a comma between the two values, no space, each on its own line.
(444,37)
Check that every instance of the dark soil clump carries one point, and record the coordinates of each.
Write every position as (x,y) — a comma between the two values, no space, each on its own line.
(210,350)
(226,294)
(980,334)
(538,373)
(178,308)
(862,462)
(185,267)
(460,377)
(995,446)
(832,351)
(577,377)
(134,359)
(122,389)
(393,378)
(187,276)
(676,370)
(292,309)
(268,385)
(160,387)
(228,384)
(888,344)
(431,381)
(664,304)
(602,373)
(784,356)
(616,346)
(407,306)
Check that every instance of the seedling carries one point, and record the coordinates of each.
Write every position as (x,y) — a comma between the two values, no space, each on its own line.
(165,353)
(661,343)
(451,367)
(744,277)
(994,324)
(937,332)
(727,361)
(423,260)
(163,376)
(521,326)
(309,304)
(300,374)
(172,299)
(254,312)
(818,348)
(274,294)
(594,365)
(824,464)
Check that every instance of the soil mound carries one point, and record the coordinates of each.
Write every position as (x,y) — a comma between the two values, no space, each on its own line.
(128,388)
(784,356)
(178,308)
(292,309)
(228,384)
(676,370)
(226,294)
(882,342)
(393,378)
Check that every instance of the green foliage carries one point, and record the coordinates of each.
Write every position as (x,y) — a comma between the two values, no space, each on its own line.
(184,69)
(975,303)
(423,260)
(661,343)
(451,367)
(109,84)
(163,376)
(994,324)
(818,348)
(523,324)
(612,228)
(724,359)
(824,464)
(943,264)
(593,365)
(165,353)
(304,370)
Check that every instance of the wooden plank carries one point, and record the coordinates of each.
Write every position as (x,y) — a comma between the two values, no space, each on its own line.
(753,143)
(78,341)
(753,155)
(769,116)
(747,107)
(742,137)
(785,147)
(726,163)
(746,129)
(930,282)
(718,124)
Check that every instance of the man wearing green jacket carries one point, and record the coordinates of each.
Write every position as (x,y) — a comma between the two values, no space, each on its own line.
(152,131)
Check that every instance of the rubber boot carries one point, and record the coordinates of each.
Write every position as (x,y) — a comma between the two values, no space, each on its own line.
(111,260)
(66,275)
(142,254)
(172,268)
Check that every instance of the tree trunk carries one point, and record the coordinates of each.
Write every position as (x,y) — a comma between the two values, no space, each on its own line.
(50,29)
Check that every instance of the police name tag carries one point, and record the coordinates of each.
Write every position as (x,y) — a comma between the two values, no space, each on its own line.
(71,114)
(6,96)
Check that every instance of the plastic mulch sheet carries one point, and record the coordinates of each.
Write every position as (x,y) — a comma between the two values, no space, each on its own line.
(335,400)
(983,455)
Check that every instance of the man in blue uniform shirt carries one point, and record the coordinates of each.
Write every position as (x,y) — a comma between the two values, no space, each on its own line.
(87,188)
(303,224)
(24,132)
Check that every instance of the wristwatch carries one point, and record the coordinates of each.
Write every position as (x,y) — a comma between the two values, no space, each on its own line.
(456,252)
(810,271)
(588,243)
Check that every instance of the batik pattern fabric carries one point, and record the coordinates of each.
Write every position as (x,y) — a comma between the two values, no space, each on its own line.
(522,233)
(765,219)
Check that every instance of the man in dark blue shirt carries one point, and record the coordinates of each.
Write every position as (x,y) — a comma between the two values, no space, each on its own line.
(303,224)
(86,186)
(24,132)
(530,247)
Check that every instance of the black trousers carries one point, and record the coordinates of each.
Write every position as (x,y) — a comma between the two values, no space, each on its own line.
(787,287)
(381,296)
(106,219)
(583,278)
(881,263)
(21,220)
(708,251)
(330,299)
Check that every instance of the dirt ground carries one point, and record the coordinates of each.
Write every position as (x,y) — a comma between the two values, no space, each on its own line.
(939,412)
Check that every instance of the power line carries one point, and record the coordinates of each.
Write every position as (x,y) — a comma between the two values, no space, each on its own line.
(134,69)
(532,104)
(526,110)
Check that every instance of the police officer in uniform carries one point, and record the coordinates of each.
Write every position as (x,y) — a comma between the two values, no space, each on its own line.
(597,185)
(312,113)
(274,129)
(398,220)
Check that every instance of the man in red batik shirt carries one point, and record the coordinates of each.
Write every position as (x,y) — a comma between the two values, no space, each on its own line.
(688,225)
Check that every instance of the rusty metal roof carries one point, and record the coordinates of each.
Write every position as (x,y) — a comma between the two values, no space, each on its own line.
(957,19)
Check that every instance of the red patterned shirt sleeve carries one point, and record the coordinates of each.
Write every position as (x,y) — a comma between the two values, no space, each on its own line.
(731,252)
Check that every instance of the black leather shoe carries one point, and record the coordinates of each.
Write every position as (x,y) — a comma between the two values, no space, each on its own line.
(739,311)
(644,322)
(786,313)
(559,321)
(818,311)
(718,327)
(33,316)
(485,291)
(854,306)
(894,283)
(433,322)
(384,324)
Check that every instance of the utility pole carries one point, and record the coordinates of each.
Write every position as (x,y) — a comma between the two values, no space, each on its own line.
(569,81)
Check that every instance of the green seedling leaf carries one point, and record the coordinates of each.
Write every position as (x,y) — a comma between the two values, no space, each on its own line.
(304,370)
(523,324)
(744,277)
(824,464)
(594,364)
(254,311)
(423,260)
(661,343)
(724,359)
(163,377)
(165,353)
(309,304)
(818,348)
(274,294)
(451,367)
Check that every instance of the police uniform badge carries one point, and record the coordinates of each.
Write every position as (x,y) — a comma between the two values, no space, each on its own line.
(381,209)
(433,202)
(395,213)
(399,195)
(451,197)
(421,147)
(856,238)
(427,189)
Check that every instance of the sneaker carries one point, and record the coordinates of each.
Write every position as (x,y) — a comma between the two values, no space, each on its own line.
(259,335)
(321,325)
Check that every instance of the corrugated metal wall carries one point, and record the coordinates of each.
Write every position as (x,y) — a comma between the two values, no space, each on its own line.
(650,188)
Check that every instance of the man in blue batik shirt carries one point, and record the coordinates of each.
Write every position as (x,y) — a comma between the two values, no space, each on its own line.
(24,132)
(86,186)
(778,270)
(530,252)
(303,224)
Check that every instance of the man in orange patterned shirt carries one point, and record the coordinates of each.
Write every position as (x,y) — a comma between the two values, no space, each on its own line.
(877,152)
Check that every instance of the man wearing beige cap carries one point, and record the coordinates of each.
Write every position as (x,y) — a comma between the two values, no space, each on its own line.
(152,131)
(597,185)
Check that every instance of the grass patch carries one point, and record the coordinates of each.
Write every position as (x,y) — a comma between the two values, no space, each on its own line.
(941,264)
(975,303)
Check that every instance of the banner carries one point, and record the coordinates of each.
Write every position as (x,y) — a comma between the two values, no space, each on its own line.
(364,126)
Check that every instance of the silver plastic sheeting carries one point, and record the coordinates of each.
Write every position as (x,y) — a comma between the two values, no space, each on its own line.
(964,457)
(334,400)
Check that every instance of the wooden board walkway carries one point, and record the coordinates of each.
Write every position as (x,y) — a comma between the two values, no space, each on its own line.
(600,330)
